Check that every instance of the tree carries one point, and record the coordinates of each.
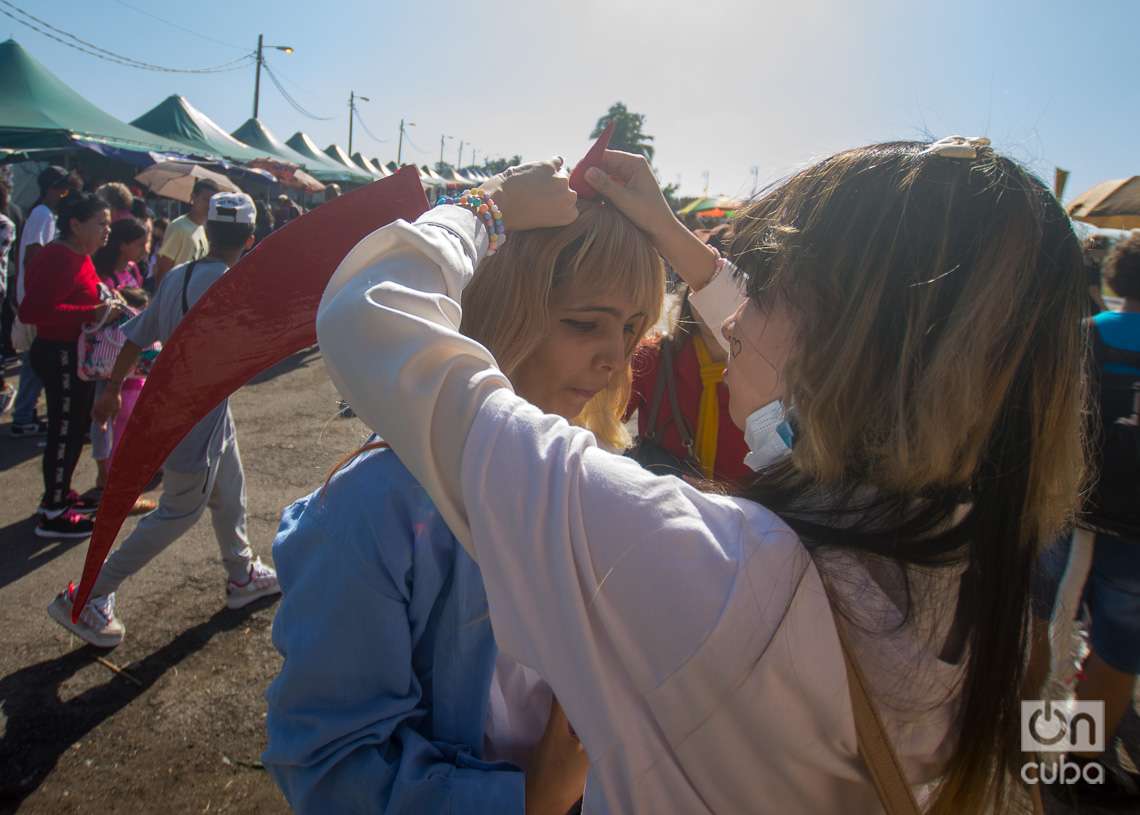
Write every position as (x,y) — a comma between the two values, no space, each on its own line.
(628,135)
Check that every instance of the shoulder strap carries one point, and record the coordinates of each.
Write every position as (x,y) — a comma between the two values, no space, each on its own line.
(886,772)
(186,285)
(658,391)
(675,405)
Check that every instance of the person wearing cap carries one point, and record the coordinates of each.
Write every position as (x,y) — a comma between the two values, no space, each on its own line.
(204,470)
(55,183)
(185,238)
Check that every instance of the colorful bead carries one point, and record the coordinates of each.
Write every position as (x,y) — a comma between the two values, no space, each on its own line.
(484,209)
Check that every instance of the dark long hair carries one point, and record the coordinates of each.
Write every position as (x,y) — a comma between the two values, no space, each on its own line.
(80,206)
(123,231)
(938,387)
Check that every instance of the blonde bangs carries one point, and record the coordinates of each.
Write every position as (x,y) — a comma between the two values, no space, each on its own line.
(506,307)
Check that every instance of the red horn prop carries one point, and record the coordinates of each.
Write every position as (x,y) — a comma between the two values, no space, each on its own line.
(261,311)
(593,158)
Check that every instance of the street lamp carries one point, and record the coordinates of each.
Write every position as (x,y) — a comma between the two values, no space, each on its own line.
(400,145)
(257,72)
(352,97)
(442,137)
(459,161)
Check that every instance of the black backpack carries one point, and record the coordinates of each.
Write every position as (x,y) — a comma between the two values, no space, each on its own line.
(1114,505)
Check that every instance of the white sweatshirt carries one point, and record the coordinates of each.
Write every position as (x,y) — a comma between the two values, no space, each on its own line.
(687,635)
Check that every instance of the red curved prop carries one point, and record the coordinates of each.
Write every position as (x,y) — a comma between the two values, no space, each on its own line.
(260,312)
(593,158)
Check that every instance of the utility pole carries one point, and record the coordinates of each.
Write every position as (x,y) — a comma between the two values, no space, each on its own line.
(755,179)
(459,161)
(705,176)
(257,69)
(352,97)
(400,145)
(257,75)
(474,153)
(442,138)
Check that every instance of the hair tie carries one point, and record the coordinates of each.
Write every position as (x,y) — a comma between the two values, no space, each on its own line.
(959,147)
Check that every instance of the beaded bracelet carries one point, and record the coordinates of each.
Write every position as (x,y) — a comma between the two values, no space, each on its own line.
(485,209)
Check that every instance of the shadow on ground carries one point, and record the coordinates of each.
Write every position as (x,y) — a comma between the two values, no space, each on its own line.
(41,727)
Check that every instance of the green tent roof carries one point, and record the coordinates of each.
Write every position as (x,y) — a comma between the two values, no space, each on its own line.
(260,138)
(336,154)
(38,110)
(321,166)
(176,119)
(358,158)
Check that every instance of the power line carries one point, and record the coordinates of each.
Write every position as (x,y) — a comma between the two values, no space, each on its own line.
(372,135)
(288,98)
(415,146)
(110,56)
(181,27)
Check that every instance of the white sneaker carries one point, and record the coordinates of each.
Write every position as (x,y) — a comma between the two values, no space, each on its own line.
(262,582)
(97,624)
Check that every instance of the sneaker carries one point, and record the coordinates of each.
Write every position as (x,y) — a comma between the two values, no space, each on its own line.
(97,624)
(67,524)
(7,396)
(29,429)
(85,504)
(262,582)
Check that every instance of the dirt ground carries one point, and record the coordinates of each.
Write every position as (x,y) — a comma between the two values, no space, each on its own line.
(173,719)
(181,727)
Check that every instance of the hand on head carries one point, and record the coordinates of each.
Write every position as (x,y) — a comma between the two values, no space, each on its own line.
(534,195)
(627,181)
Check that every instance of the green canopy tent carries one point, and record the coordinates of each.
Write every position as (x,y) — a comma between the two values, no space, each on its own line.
(358,158)
(176,119)
(39,111)
(260,138)
(322,166)
(335,153)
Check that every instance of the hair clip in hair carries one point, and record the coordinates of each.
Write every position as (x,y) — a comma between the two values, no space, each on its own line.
(959,147)
(593,158)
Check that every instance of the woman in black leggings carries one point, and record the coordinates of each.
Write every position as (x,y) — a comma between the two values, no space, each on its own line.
(62,292)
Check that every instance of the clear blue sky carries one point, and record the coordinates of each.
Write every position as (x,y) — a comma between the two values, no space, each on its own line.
(726,85)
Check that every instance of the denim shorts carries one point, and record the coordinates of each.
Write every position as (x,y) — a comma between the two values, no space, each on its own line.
(1111,595)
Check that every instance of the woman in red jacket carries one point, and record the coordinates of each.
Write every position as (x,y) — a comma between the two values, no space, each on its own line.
(63,292)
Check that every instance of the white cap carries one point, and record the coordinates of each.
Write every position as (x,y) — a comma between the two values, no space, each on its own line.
(232,208)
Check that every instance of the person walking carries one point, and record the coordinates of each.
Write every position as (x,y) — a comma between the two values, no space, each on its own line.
(63,293)
(204,471)
(55,184)
(185,239)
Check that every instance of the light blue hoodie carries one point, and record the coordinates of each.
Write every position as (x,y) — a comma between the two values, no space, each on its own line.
(382,701)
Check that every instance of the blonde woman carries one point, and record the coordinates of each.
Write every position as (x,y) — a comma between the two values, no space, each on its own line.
(917,307)
(392,698)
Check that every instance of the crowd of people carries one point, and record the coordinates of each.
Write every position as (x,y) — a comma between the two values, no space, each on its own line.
(818,577)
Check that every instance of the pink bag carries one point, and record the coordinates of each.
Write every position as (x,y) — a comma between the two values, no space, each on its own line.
(99,345)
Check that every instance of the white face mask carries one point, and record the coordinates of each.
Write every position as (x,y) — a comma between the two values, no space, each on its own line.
(768,435)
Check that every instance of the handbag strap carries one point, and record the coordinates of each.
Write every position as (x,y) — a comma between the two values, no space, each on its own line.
(186,285)
(666,381)
(881,760)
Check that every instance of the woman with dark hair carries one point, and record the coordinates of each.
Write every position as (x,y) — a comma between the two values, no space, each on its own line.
(117,268)
(907,361)
(116,261)
(63,292)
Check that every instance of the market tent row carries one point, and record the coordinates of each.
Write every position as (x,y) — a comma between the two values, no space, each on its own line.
(335,153)
(176,119)
(323,167)
(358,158)
(40,111)
(1114,204)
